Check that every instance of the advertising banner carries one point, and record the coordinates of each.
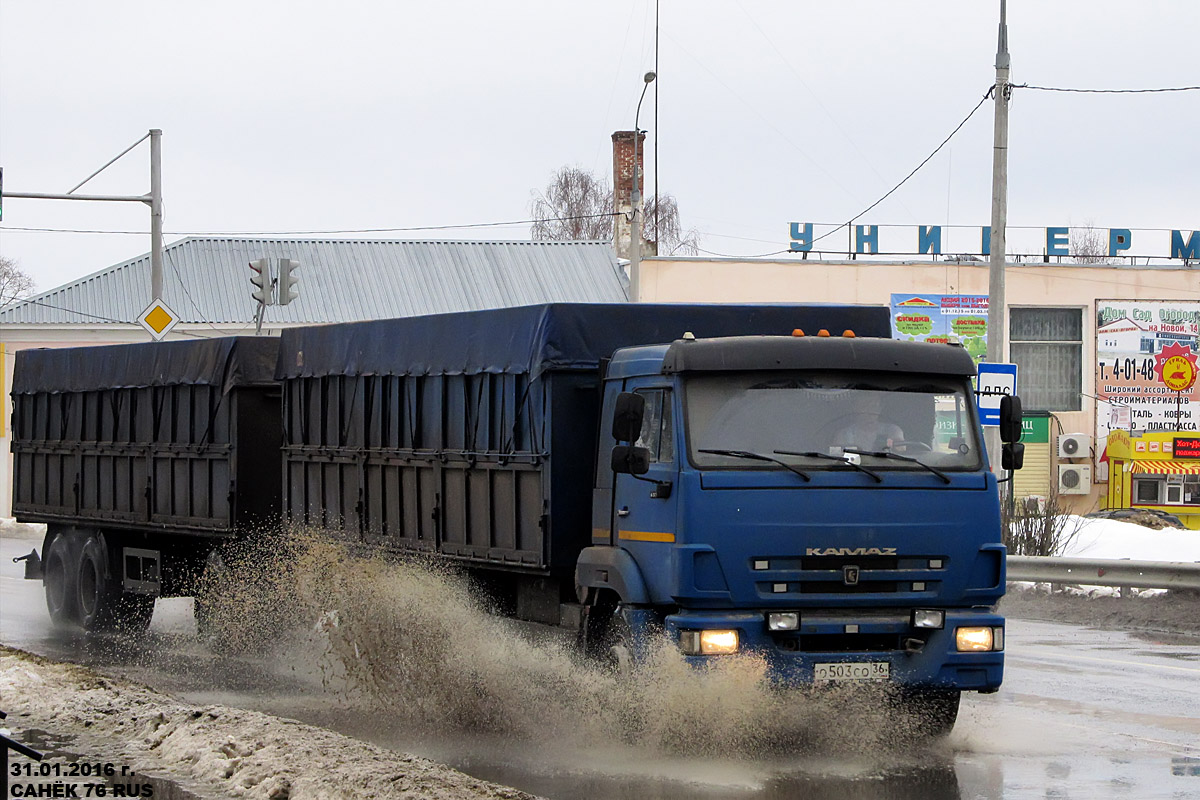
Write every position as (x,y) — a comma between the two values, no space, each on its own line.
(1146,366)
(942,318)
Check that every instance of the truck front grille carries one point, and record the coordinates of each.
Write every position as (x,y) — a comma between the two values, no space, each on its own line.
(839,643)
(781,576)
(840,587)
(837,562)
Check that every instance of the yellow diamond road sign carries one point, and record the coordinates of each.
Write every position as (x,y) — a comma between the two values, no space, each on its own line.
(158,319)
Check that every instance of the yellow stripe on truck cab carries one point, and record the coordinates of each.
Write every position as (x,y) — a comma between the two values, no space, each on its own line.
(646,536)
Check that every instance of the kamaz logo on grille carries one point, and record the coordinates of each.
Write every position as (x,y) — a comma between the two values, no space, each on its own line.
(850,551)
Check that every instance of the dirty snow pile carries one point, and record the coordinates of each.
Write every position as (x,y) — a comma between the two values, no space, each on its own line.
(1096,538)
(222,751)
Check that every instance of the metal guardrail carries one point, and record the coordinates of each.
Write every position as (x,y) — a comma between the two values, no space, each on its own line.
(1105,572)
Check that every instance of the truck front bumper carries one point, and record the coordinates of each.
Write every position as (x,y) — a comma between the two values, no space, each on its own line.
(915,657)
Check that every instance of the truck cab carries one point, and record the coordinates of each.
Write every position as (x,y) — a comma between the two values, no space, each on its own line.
(824,502)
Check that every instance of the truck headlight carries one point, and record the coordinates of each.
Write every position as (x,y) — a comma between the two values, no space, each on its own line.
(708,643)
(783,621)
(928,618)
(978,640)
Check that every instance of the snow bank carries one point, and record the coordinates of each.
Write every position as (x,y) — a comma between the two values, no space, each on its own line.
(229,752)
(1110,538)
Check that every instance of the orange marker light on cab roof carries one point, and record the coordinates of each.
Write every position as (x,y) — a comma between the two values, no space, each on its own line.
(797,332)
(822,332)
(848,334)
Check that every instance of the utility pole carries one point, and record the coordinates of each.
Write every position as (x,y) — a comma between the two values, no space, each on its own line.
(156,215)
(154,200)
(997,320)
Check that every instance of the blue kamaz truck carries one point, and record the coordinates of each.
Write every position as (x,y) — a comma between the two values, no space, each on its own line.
(776,479)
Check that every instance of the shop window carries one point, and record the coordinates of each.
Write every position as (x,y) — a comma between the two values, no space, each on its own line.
(1191,491)
(1046,344)
(1146,492)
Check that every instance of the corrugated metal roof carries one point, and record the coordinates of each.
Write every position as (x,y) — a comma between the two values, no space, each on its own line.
(208,280)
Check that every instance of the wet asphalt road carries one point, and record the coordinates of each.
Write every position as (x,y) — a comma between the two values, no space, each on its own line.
(1083,713)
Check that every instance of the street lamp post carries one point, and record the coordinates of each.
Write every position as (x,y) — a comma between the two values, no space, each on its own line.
(635,250)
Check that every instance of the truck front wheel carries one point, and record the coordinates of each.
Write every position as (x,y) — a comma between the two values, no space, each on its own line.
(929,713)
(619,641)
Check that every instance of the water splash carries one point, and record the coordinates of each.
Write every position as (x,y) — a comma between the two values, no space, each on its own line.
(412,638)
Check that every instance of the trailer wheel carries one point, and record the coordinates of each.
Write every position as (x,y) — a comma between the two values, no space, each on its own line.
(58,578)
(102,604)
(214,577)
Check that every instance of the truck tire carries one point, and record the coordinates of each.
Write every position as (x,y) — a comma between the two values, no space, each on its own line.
(213,578)
(618,652)
(102,604)
(59,580)
(929,713)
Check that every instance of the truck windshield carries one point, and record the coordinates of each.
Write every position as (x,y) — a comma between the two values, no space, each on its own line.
(863,416)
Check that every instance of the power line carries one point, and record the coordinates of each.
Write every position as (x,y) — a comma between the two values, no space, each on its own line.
(319,233)
(885,196)
(1106,91)
(118,321)
(756,255)
(916,169)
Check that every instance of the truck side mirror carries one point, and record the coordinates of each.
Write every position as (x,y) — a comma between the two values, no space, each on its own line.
(1012,456)
(627,417)
(631,459)
(1010,418)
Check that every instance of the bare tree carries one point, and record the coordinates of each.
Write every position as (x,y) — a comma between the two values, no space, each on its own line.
(1039,526)
(1089,246)
(662,213)
(14,283)
(576,205)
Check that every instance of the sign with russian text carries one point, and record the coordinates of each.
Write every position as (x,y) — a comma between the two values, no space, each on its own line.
(994,381)
(958,318)
(1040,243)
(1187,447)
(1176,367)
(1142,347)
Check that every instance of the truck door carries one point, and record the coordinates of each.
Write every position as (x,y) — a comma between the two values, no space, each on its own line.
(644,506)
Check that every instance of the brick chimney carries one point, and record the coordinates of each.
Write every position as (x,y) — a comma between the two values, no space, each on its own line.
(623,186)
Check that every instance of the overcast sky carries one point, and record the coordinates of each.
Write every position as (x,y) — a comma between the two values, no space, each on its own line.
(302,116)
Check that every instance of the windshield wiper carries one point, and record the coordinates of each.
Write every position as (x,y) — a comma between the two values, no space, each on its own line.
(827,457)
(756,457)
(896,456)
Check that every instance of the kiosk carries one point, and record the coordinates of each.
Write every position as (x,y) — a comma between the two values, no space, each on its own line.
(1159,471)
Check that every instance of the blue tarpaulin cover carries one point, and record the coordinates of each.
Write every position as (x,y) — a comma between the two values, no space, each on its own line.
(533,339)
(226,362)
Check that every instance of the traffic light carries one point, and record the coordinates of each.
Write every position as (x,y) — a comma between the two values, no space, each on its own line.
(260,276)
(288,280)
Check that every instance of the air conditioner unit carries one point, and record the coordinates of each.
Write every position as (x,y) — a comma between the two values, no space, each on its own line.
(1074,445)
(1074,478)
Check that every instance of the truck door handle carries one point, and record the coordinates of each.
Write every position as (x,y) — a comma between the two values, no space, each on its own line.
(623,511)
